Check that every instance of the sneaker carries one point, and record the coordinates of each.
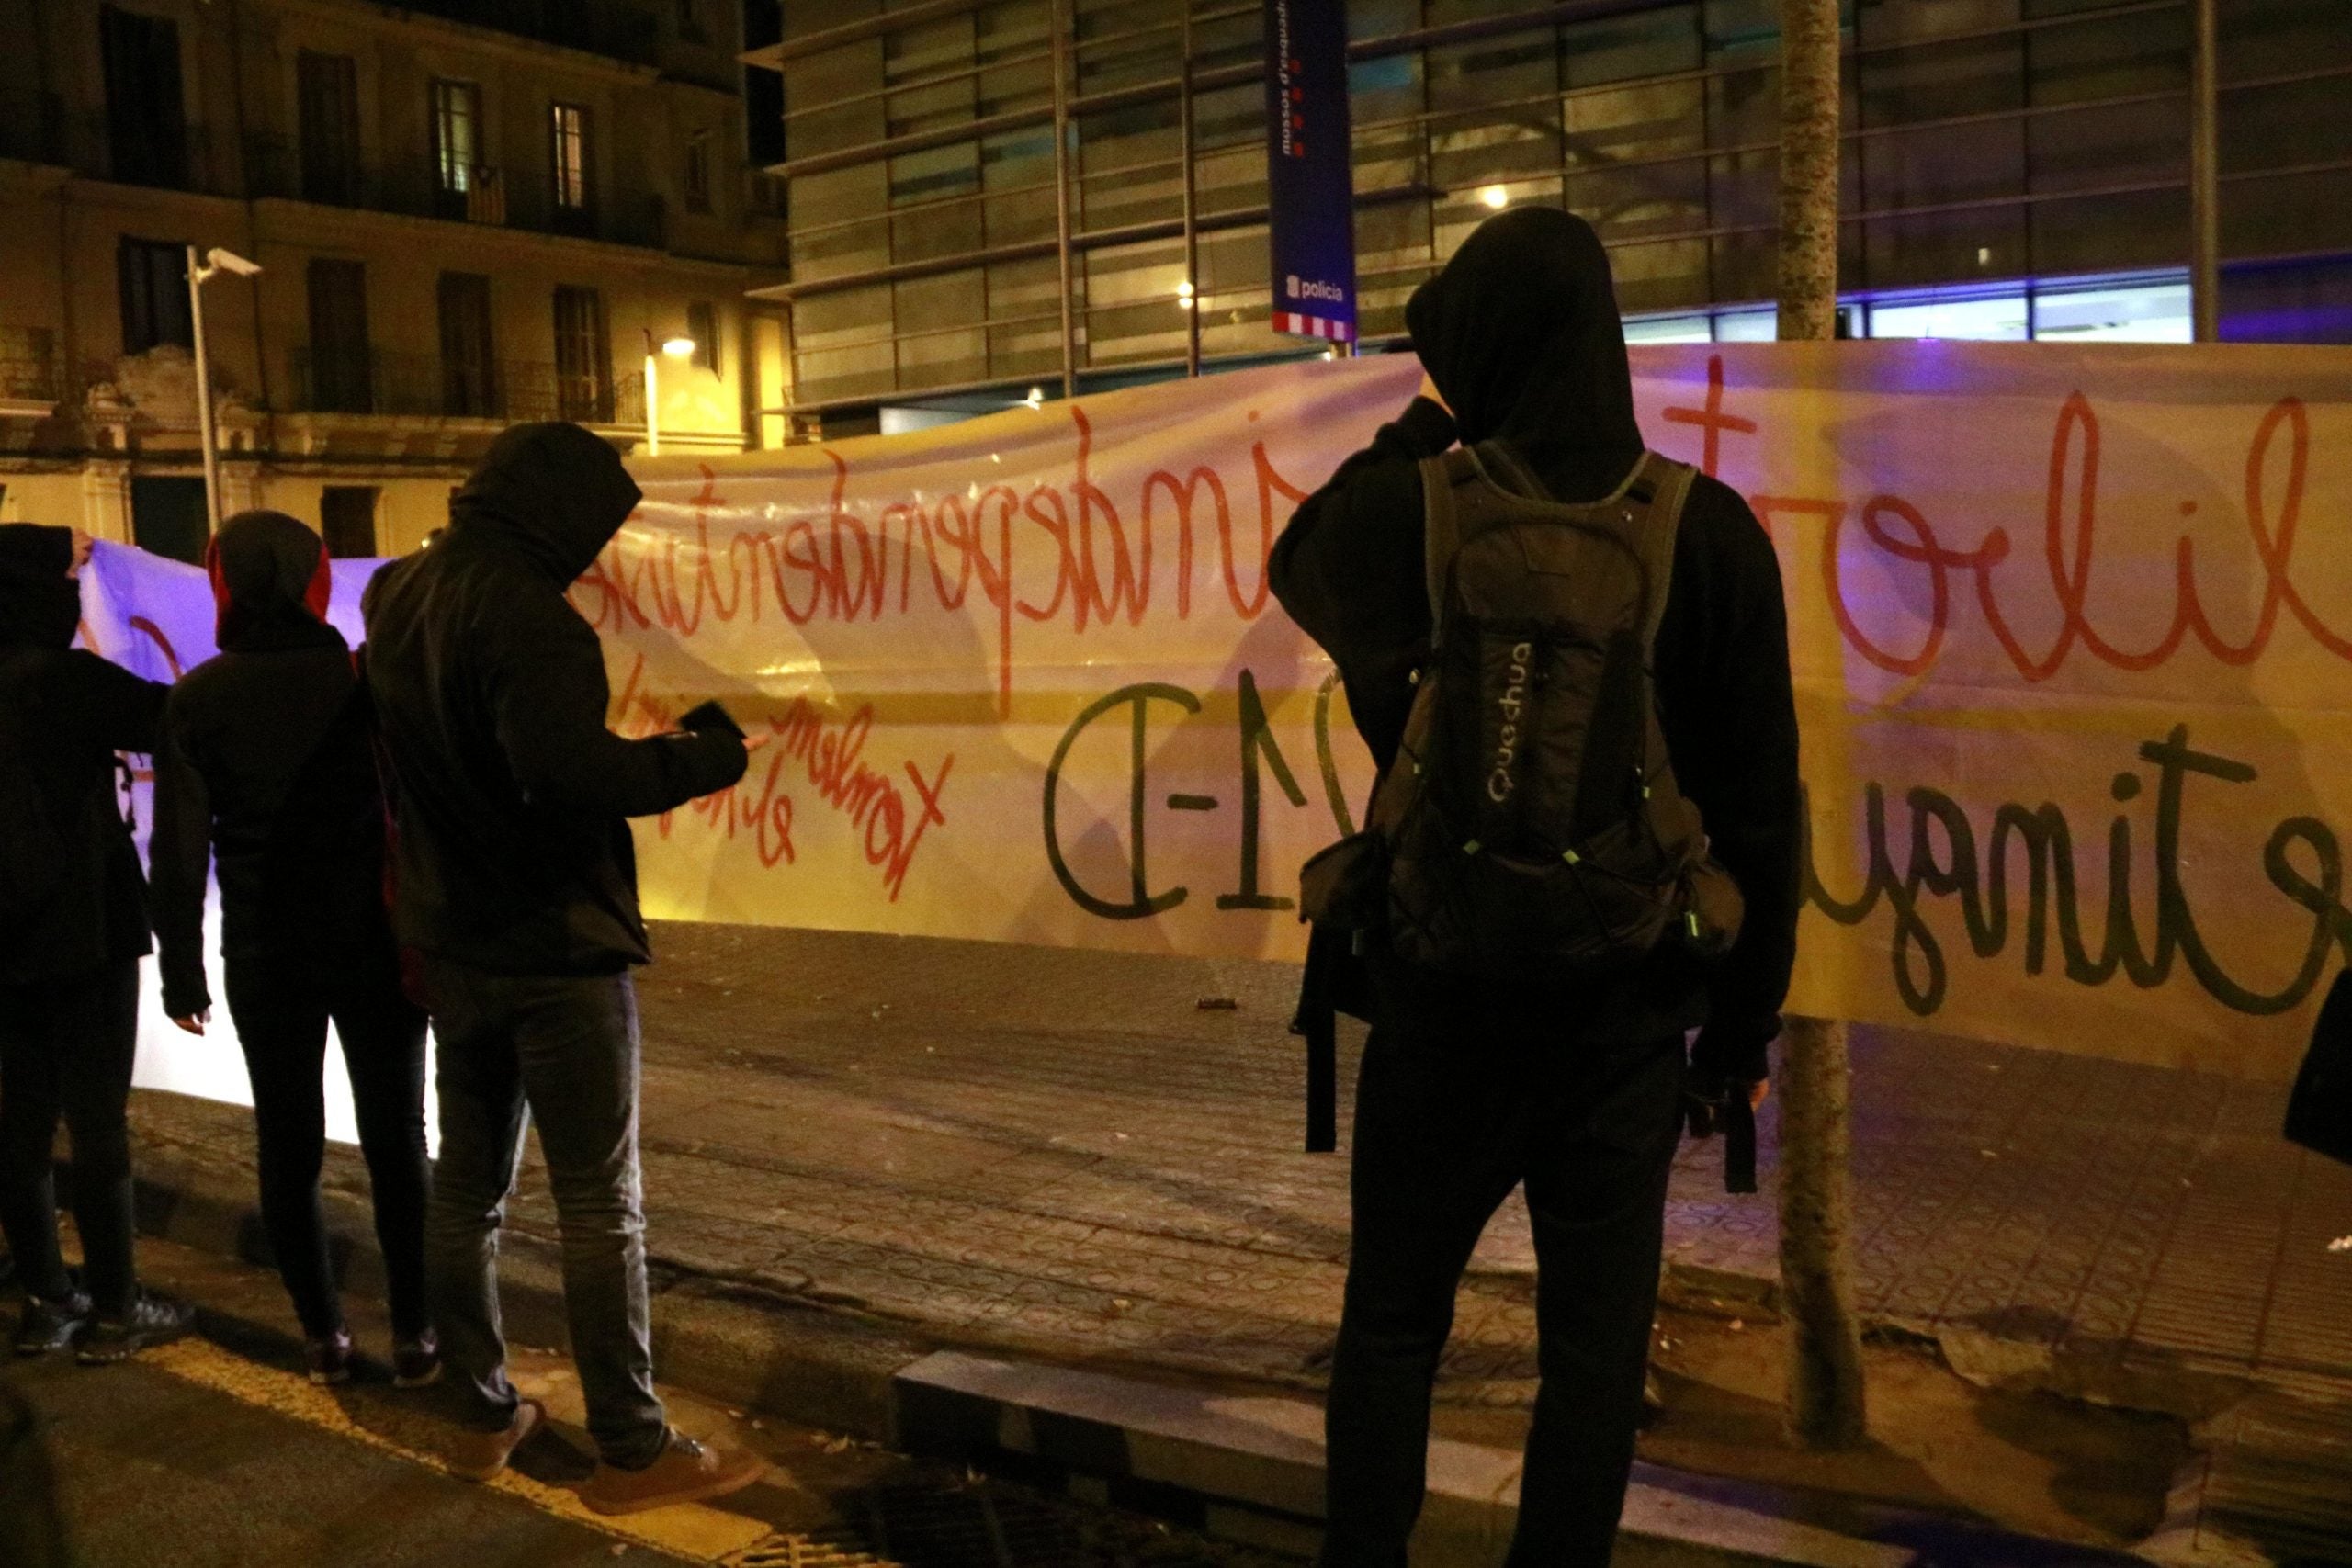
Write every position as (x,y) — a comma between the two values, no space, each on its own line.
(152,1320)
(477,1455)
(330,1359)
(52,1325)
(416,1363)
(687,1472)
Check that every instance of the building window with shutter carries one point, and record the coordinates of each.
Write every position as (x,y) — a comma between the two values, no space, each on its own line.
(468,368)
(146,116)
(584,357)
(568,146)
(698,172)
(347,519)
(340,360)
(328,114)
(702,325)
(456,135)
(153,278)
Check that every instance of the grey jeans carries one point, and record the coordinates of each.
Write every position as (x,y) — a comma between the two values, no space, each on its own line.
(562,1049)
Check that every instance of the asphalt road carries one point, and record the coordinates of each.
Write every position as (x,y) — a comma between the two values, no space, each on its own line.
(217,1453)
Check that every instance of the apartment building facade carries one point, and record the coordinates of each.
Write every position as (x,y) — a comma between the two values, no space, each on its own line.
(465,215)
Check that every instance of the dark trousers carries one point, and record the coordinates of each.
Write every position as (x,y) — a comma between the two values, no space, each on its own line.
(65,1050)
(1463,1098)
(281,1010)
(562,1050)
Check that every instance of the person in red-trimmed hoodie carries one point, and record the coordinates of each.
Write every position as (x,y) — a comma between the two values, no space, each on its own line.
(268,763)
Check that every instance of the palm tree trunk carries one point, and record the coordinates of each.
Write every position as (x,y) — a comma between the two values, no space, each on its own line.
(1826,1403)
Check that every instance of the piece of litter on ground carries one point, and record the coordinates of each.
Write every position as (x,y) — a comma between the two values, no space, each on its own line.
(1988,1154)
(2341,1244)
(1737,1324)
(1218,1004)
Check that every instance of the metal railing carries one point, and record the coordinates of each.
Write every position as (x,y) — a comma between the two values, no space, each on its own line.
(275,167)
(426,386)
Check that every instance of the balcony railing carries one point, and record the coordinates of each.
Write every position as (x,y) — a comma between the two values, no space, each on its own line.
(30,371)
(276,167)
(425,385)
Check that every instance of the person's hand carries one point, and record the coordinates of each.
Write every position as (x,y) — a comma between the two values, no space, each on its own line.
(1428,390)
(82,542)
(194,1023)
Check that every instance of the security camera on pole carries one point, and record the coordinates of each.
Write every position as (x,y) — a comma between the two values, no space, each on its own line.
(200,272)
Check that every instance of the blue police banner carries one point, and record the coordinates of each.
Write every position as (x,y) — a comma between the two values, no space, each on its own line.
(1309,193)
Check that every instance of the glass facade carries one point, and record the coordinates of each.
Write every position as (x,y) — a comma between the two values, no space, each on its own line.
(2013,168)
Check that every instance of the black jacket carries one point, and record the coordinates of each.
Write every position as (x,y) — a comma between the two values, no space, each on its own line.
(266,760)
(65,713)
(1520,334)
(513,854)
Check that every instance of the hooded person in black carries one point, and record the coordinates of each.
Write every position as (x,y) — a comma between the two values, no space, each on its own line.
(1468,1092)
(517,887)
(267,763)
(72,929)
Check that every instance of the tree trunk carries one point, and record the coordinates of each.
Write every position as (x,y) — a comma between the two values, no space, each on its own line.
(1825,1396)
(1809,77)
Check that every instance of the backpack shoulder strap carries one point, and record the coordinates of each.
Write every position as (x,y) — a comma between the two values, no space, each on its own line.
(1669,484)
(1441,526)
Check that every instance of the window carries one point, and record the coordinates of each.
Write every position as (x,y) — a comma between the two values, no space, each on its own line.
(702,325)
(568,147)
(146,124)
(339,359)
(584,358)
(328,90)
(469,371)
(1992,317)
(2154,312)
(153,278)
(348,518)
(698,172)
(168,517)
(456,135)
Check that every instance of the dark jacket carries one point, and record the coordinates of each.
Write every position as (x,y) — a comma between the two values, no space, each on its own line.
(64,714)
(514,855)
(267,762)
(1521,332)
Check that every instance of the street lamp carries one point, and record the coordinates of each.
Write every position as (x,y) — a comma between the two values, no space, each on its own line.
(199,273)
(677,348)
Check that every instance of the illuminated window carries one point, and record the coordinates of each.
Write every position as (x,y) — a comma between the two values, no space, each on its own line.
(568,140)
(1999,318)
(2144,312)
(1667,329)
(1747,326)
(456,134)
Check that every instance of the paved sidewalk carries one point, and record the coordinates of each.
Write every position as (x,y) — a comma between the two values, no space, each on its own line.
(1064,1155)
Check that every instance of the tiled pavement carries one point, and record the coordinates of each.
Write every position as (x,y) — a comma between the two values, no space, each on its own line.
(1065,1153)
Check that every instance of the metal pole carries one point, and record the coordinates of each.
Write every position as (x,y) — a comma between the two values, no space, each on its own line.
(2204,176)
(1192,214)
(196,272)
(1061,193)
(653,412)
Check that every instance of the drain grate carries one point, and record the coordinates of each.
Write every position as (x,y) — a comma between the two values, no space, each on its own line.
(975,1525)
(805,1552)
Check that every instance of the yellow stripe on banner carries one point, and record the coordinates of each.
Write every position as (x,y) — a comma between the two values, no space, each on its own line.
(690,1531)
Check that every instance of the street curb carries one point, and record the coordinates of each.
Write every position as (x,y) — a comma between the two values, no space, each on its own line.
(1247,1467)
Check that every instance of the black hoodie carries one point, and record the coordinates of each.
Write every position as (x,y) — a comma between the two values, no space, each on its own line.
(1521,332)
(514,855)
(265,761)
(64,714)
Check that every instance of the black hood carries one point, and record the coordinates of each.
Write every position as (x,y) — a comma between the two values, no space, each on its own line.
(1521,332)
(270,584)
(39,606)
(557,493)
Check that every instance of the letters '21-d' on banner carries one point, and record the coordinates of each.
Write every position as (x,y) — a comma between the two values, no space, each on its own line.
(2073,630)
(1310,192)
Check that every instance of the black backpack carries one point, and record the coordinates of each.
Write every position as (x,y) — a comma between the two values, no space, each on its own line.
(1529,829)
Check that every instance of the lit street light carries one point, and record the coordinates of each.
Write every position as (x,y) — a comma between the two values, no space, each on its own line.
(677,348)
(199,273)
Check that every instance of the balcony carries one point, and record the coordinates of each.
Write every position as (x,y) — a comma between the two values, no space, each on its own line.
(423,387)
(275,168)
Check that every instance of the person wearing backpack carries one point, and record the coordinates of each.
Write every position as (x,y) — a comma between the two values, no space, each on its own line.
(1569,659)
(72,929)
(268,762)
